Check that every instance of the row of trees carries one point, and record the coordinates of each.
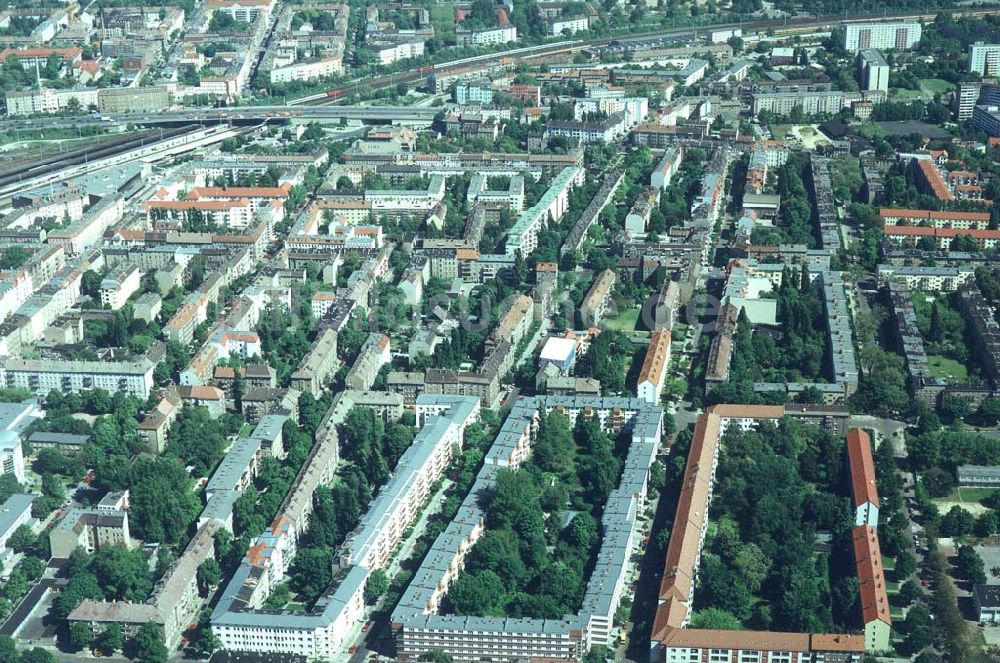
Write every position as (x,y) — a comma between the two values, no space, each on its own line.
(372,448)
(797,355)
(527,564)
(760,567)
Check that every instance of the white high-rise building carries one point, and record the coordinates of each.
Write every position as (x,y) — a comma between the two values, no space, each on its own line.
(11,456)
(984,59)
(883,36)
(874,70)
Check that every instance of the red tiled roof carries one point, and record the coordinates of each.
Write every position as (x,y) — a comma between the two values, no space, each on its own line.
(871,576)
(890,212)
(859,455)
(932,176)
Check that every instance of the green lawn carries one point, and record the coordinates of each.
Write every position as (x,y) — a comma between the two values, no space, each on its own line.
(625,321)
(902,93)
(778,131)
(975,494)
(937,85)
(949,369)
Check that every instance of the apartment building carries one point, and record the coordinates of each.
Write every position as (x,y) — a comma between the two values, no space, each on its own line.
(567,25)
(236,213)
(15,511)
(935,279)
(654,367)
(986,118)
(859,456)
(478,91)
(318,366)
(175,601)
(120,284)
(307,70)
(811,103)
(986,600)
(874,596)
(134,99)
(374,354)
(874,70)
(671,641)
(11,455)
(638,215)
(665,169)
(935,218)
(512,197)
(940,238)
(244,11)
(321,632)
(984,59)
(605,131)
(503,33)
(979,476)
(883,36)
(89,529)
(40,376)
(598,299)
(466,638)
(523,235)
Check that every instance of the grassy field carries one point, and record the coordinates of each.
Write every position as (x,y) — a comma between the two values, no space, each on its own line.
(937,85)
(625,321)
(778,131)
(949,369)
(975,494)
(901,93)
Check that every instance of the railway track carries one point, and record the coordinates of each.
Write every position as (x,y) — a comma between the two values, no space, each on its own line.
(526,55)
(16,172)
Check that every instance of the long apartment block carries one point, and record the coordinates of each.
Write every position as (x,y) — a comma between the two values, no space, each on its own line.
(418,625)
(239,619)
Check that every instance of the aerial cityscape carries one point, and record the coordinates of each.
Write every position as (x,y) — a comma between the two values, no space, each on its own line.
(499,330)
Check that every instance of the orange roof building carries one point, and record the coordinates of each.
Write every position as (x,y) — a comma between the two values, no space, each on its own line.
(942,237)
(934,218)
(859,455)
(670,639)
(871,587)
(931,180)
(654,367)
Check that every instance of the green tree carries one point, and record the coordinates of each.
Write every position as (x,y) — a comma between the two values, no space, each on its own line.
(79,636)
(715,619)
(209,575)
(22,539)
(971,565)
(112,639)
(36,655)
(163,503)
(376,585)
(150,644)
(122,574)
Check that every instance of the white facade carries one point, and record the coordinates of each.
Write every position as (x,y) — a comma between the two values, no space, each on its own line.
(393,52)
(501,34)
(119,286)
(11,456)
(874,70)
(984,59)
(474,92)
(883,36)
(40,376)
(568,25)
(307,71)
